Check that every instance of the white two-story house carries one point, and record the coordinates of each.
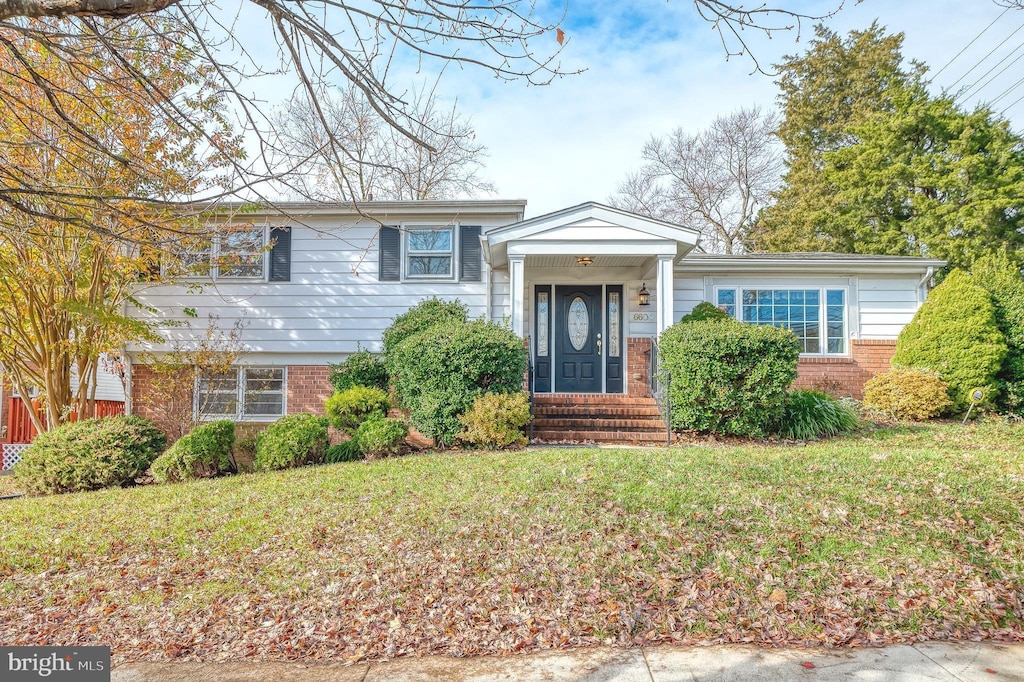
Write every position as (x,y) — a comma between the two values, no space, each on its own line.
(587,288)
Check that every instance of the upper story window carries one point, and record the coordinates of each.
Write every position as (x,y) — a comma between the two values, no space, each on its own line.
(253,393)
(238,253)
(816,316)
(430,252)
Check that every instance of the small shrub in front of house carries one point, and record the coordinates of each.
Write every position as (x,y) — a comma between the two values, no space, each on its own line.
(728,377)
(1001,276)
(204,452)
(346,451)
(907,394)
(292,441)
(419,318)
(496,420)
(89,455)
(809,415)
(440,371)
(350,408)
(706,312)
(955,334)
(362,368)
(380,436)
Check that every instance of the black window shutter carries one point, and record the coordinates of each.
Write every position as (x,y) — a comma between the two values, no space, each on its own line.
(390,259)
(469,254)
(281,254)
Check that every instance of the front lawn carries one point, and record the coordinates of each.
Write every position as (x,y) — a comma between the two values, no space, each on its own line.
(911,533)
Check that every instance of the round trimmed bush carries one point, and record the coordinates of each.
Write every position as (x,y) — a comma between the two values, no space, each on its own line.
(907,393)
(706,312)
(419,318)
(440,371)
(350,408)
(89,455)
(496,420)
(728,377)
(808,415)
(362,368)
(204,452)
(955,334)
(381,436)
(292,441)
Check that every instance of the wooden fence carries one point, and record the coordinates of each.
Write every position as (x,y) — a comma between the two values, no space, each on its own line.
(21,430)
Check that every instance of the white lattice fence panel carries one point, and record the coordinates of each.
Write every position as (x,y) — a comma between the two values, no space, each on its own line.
(11,454)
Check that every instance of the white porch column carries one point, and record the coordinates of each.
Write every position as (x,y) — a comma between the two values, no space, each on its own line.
(516,274)
(666,284)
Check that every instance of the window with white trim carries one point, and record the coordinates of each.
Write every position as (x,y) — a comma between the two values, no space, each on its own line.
(237,253)
(429,253)
(817,316)
(243,393)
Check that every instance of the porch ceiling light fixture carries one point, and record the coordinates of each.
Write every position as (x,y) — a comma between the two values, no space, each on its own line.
(644,295)
(584,260)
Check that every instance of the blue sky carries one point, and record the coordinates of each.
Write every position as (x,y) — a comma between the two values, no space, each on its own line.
(652,65)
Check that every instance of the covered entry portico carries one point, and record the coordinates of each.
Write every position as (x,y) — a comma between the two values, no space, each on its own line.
(574,279)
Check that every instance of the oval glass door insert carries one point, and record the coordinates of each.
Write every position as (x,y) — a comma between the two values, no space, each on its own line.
(578,323)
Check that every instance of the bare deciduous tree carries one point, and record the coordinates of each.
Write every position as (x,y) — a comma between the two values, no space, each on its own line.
(379,162)
(715,182)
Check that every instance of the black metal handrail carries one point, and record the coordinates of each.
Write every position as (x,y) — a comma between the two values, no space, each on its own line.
(660,380)
(530,381)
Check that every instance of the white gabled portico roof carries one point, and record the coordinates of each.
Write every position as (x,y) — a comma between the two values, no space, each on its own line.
(588,229)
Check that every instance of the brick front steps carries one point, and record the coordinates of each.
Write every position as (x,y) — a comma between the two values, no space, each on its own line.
(597,418)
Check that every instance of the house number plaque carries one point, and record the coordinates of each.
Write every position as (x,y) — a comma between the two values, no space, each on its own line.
(643,317)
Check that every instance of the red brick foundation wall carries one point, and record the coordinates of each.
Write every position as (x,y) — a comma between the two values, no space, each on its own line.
(308,388)
(846,376)
(638,363)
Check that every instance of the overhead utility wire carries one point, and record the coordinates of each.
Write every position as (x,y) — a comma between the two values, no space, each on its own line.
(957,55)
(1007,91)
(997,65)
(980,61)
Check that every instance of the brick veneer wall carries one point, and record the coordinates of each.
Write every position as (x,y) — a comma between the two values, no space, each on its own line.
(638,362)
(846,376)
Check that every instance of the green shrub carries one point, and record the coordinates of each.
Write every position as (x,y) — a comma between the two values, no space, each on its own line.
(907,393)
(419,318)
(705,312)
(90,454)
(808,415)
(380,436)
(362,368)
(955,334)
(496,420)
(728,377)
(347,451)
(350,408)
(292,441)
(439,372)
(1000,275)
(204,452)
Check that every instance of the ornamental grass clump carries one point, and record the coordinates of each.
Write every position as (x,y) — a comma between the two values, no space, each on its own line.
(907,394)
(89,455)
(728,377)
(810,415)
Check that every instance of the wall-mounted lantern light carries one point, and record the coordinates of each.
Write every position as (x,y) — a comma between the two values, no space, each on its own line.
(644,296)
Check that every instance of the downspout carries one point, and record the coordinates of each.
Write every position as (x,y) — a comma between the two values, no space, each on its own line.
(922,290)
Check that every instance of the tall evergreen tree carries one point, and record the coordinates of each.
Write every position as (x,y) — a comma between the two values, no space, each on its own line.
(837,84)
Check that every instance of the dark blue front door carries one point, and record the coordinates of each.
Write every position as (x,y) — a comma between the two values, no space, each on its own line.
(578,342)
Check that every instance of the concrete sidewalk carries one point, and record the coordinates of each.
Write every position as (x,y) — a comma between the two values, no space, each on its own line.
(931,661)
